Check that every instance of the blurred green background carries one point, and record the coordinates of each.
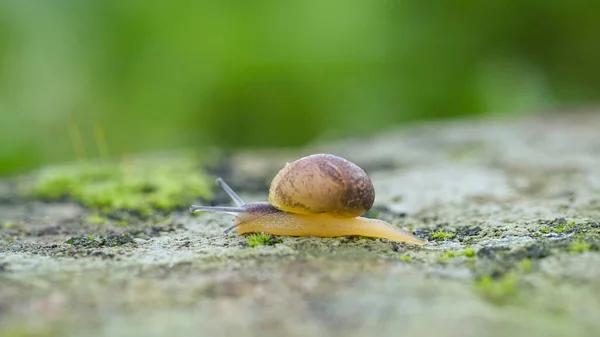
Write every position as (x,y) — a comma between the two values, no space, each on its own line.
(113,77)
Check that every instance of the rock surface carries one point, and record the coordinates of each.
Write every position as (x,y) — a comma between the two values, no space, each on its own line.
(511,208)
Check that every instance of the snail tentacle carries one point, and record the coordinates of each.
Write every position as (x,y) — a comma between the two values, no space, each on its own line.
(231,228)
(236,198)
(218,209)
(223,209)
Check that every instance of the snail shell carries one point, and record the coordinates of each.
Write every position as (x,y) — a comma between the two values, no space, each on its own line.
(322,183)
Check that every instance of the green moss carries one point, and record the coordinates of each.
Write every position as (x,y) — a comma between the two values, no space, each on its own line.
(405,258)
(571,224)
(469,252)
(139,185)
(441,235)
(560,229)
(498,290)
(262,239)
(103,241)
(545,230)
(448,255)
(580,246)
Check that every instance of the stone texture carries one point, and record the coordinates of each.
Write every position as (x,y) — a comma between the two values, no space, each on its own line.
(522,193)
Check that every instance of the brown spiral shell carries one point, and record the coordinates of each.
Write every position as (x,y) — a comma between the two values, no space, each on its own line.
(322,183)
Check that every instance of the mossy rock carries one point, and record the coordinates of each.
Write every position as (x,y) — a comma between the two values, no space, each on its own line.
(514,231)
(140,185)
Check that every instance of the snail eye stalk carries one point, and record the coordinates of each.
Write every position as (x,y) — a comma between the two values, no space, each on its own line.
(236,198)
(223,209)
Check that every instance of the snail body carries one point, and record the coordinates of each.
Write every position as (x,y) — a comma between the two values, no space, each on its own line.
(319,195)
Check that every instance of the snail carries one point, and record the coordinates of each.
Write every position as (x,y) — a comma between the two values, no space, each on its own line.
(319,195)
